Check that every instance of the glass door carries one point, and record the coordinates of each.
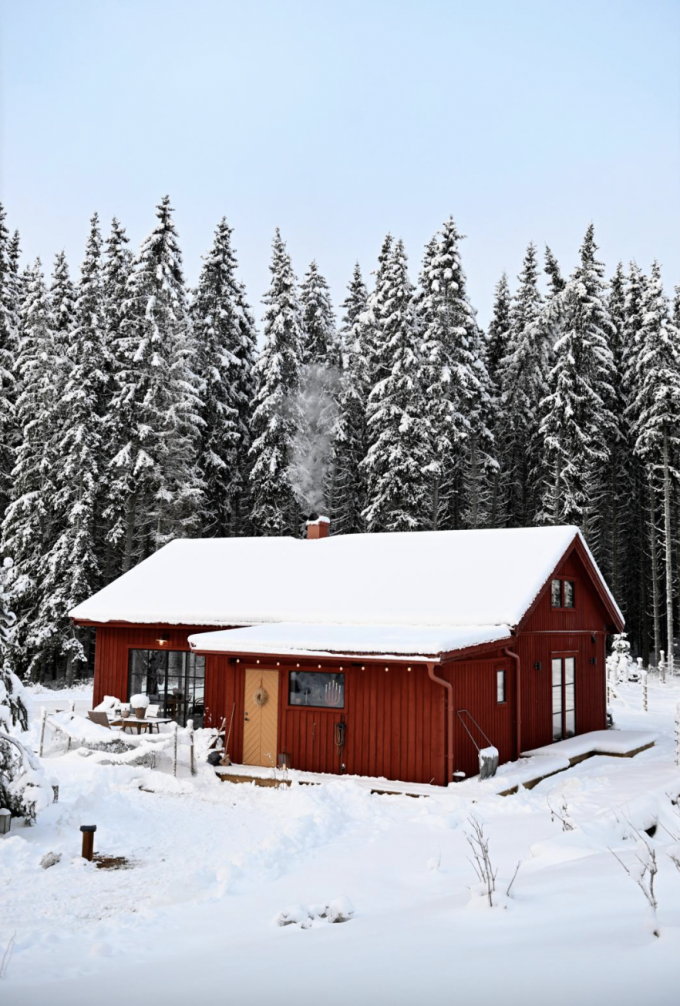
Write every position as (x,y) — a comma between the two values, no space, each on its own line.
(563,697)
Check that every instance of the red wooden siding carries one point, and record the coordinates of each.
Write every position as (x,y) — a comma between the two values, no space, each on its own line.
(546,633)
(394,725)
(396,720)
(474,689)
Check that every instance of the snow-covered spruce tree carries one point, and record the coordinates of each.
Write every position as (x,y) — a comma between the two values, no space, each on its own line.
(552,269)
(577,420)
(320,343)
(24,790)
(276,417)
(117,270)
(619,522)
(8,349)
(155,481)
(72,571)
(657,427)
(224,333)
(29,527)
(62,303)
(457,400)
(642,584)
(498,333)
(523,378)
(397,489)
(311,457)
(379,361)
(348,489)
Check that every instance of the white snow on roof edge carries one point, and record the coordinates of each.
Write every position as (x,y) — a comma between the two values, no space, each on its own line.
(295,639)
(428,578)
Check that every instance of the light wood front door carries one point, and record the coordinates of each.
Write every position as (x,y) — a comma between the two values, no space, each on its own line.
(260,728)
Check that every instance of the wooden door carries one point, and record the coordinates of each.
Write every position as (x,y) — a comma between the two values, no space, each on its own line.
(260,727)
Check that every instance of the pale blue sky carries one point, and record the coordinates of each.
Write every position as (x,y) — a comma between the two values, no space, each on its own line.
(339,121)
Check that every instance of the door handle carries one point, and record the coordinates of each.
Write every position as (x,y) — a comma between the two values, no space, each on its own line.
(246,718)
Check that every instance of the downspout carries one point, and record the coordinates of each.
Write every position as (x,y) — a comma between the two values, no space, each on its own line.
(518,696)
(449,718)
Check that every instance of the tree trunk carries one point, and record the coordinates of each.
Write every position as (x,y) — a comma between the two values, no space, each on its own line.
(668,544)
(129,532)
(435,503)
(656,601)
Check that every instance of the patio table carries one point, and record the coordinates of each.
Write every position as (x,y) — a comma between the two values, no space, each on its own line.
(133,721)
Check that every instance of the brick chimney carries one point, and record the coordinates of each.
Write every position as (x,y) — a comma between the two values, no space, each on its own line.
(318,527)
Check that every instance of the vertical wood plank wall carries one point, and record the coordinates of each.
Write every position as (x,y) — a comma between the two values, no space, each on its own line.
(395,721)
(544,636)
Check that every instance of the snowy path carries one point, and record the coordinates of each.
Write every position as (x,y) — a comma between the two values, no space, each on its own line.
(215,863)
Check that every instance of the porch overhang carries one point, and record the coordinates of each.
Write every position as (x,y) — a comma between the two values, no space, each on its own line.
(395,643)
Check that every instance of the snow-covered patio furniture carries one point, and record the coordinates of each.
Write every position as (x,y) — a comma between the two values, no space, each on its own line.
(133,722)
(102,720)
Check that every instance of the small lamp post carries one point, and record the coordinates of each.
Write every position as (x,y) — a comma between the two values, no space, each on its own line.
(5,821)
(88,831)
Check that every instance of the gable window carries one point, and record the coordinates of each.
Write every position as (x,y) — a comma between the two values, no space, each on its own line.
(500,686)
(309,688)
(562,593)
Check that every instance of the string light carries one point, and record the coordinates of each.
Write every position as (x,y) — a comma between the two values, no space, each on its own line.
(363,667)
(297,665)
(238,660)
(386,670)
(257,661)
(408,668)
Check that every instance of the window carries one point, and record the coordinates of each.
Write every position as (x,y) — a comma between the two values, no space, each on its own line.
(309,688)
(500,686)
(173,679)
(562,593)
(563,697)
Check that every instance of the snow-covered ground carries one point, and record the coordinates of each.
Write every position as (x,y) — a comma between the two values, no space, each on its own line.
(214,864)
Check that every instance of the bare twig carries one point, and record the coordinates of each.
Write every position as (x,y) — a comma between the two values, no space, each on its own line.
(649,869)
(561,815)
(507,892)
(4,963)
(481,861)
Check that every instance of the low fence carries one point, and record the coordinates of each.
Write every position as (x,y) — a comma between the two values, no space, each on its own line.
(123,749)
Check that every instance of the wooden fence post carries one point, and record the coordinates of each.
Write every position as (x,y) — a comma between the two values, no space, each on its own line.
(43,721)
(662,666)
(645,694)
(190,724)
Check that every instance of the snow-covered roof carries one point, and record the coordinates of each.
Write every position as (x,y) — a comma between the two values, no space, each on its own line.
(428,578)
(392,642)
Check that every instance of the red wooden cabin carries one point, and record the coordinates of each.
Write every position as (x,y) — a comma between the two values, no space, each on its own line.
(366,654)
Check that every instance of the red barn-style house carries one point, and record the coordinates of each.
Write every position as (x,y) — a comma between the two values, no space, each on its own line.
(365,654)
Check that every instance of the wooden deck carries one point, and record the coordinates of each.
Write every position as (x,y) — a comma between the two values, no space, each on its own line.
(533,767)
